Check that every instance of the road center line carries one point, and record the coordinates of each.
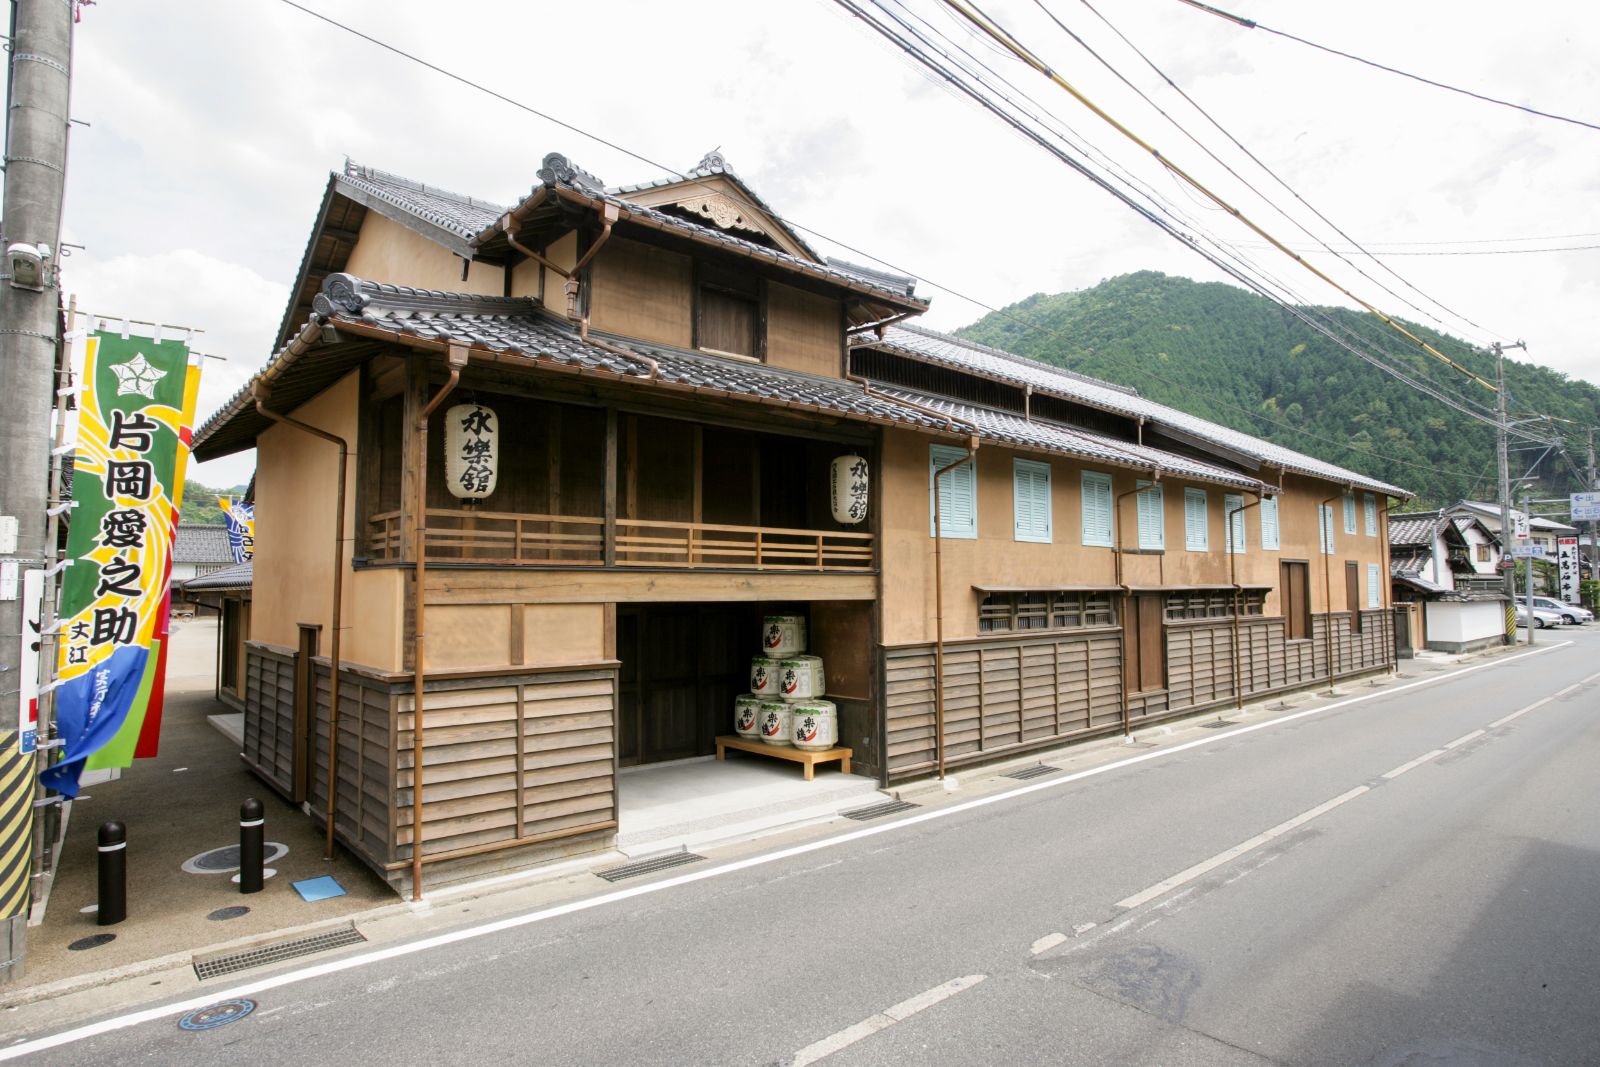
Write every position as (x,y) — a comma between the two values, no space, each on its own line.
(1520,712)
(818,1050)
(1419,761)
(1046,943)
(1238,850)
(1463,739)
(255,987)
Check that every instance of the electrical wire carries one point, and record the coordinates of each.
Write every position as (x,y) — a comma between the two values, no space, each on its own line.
(1250,24)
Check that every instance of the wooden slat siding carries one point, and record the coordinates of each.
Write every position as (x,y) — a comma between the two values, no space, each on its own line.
(527,759)
(1000,695)
(269,715)
(362,816)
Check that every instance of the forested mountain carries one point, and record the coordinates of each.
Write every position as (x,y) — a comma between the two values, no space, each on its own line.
(1239,359)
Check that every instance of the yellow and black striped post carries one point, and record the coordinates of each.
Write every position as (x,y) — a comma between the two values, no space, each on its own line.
(16,852)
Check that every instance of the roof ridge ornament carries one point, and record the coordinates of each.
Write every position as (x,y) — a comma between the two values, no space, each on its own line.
(711,162)
(559,169)
(340,292)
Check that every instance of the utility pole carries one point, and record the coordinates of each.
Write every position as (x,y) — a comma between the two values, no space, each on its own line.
(38,84)
(1508,573)
(1594,527)
(1527,566)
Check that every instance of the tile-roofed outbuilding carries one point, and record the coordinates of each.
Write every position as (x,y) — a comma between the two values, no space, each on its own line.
(201,543)
(227,580)
(1414,529)
(956,353)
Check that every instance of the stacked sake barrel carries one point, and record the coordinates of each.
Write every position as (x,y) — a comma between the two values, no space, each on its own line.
(784,706)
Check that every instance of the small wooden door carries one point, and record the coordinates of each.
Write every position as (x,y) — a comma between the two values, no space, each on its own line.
(1294,588)
(682,665)
(1143,642)
(1352,593)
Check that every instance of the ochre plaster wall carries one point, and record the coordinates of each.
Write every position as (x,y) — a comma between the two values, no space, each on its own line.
(805,332)
(388,252)
(296,475)
(996,558)
(641,291)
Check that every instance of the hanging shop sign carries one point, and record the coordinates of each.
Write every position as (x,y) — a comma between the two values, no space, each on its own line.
(848,483)
(135,420)
(28,664)
(241,521)
(1567,567)
(471,451)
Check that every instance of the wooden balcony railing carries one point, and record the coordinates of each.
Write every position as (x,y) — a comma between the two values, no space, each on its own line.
(528,540)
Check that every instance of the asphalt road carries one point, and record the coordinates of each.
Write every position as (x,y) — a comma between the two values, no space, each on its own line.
(1412,878)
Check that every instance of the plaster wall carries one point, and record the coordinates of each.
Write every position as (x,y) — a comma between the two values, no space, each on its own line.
(1453,626)
(388,252)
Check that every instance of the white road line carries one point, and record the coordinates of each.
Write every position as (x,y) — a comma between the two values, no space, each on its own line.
(1083,928)
(1463,739)
(512,922)
(1238,850)
(1519,713)
(1419,761)
(818,1050)
(1046,943)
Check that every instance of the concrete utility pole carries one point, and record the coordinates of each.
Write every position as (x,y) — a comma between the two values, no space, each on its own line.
(39,80)
(1508,573)
(1594,527)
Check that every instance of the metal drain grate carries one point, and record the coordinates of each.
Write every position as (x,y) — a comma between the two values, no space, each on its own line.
(1219,724)
(1030,772)
(878,811)
(234,962)
(649,866)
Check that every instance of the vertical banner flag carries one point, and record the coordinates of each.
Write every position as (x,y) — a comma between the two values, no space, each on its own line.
(241,521)
(28,665)
(134,427)
(1567,566)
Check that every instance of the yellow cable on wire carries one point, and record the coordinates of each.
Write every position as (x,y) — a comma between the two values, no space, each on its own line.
(1004,38)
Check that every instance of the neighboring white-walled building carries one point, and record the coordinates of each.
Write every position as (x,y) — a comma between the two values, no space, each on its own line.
(1448,563)
(1542,531)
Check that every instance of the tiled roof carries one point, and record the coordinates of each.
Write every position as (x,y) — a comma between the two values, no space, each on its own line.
(464,216)
(1019,370)
(1418,528)
(239,576)
(1491,512)
(201,543)
(1013,429)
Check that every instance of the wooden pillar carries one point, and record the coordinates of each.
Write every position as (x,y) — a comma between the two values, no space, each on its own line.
(415,398)
(610,496)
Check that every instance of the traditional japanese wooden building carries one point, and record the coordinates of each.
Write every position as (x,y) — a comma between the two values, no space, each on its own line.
(671,373)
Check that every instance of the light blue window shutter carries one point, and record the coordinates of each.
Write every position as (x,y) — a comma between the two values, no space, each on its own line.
(1372,516)
(1326,522)
(1195,536)
(1269,523)
(958,496)
(1349,513)
(1374,589)
(1031,500)
(1230,502)
(1152,517)
(1097,509)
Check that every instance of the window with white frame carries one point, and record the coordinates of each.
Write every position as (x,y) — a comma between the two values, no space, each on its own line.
(1030,487)
(1374,586)
(958,492)
(1349,513)
(1269,523)
(1232,505)
(1195,535)
(1372,515)
(1152,516)
(1097,509)
(1325,523)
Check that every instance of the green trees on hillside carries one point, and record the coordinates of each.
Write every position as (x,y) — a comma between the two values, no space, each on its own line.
(1241,360)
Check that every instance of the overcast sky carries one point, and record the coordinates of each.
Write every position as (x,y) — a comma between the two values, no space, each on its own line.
(214,126)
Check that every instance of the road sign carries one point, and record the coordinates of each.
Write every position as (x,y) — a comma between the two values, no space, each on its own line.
(1585,506)
(1527,552)
(1519,525)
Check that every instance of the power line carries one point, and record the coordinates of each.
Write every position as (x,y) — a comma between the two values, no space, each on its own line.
(1463,252)
(1252,25)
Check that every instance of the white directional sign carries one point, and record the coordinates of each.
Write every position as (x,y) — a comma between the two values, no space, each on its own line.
(1585,506)
(1527,551)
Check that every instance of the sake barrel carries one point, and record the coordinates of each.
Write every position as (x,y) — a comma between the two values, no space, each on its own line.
(764,671)
(776,722)
(814,725)
(747,716)
(783,635)
(801,678)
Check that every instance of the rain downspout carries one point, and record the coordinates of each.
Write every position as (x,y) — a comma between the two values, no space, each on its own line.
(263,393)
(457,359)
(1238,592)
(1116,527)
(1327,578)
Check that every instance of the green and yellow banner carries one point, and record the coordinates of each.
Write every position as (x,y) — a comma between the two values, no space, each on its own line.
(135,419)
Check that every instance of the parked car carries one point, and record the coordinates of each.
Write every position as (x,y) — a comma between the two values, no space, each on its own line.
(1541,617)
(1571,614)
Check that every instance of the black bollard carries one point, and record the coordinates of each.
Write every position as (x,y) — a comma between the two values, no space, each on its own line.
(252,845)
(113,840)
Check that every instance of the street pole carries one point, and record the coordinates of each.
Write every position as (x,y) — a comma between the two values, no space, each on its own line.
(1508,574)
(1594,527)
(1527,567)
(35,163)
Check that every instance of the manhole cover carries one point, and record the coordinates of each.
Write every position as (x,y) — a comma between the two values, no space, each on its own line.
(226,859)
(224,914)
(215,1015)
(92,941)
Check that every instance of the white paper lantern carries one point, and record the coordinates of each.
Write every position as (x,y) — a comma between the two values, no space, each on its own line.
(471,451)
(848,486)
